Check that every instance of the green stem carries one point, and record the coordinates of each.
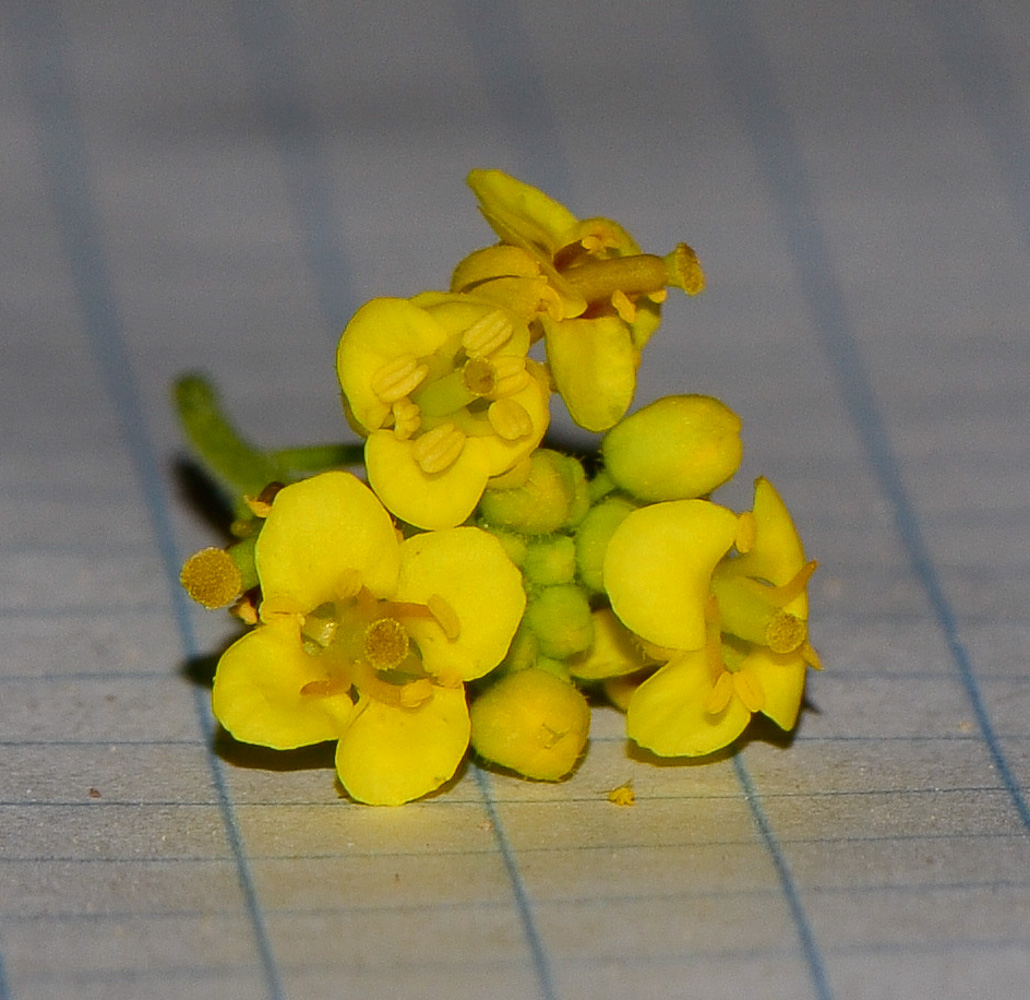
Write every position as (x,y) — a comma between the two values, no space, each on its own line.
(243,468)
(319,457)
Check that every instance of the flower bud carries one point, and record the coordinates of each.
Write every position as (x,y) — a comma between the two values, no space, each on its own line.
(532,722)
(553,496)
(560,618)
(592,538)
(677,448)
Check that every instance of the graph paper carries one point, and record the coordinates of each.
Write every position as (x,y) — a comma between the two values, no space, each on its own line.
(220,186)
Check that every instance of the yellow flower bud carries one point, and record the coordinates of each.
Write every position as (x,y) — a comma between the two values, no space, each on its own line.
(677,448)
(532,722)
(560,619)
(553,496)
(550,560)
(592,536)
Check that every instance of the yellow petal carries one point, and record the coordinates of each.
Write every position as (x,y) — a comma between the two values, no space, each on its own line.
(427,500)
(469,569)
(391,755)
(782,679)
(320,531)
(667,713)
(776,554)
(270,692)
(519,213)
(658,567)
(593,362)
(380,332)
(614,651)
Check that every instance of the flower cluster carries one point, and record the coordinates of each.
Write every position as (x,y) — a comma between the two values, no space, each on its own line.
(475,588)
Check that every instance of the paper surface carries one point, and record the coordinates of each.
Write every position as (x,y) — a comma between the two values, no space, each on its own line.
(219,186)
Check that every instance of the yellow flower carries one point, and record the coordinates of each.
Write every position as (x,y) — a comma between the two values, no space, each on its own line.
(731,629)
(584,284)
(366,639)
(441,386)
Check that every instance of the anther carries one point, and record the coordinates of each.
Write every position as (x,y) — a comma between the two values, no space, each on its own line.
(509,419)
(487,334)
(398,378)
(439,448)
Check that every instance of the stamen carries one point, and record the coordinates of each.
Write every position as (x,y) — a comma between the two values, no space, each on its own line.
(511,375)
(386,643)
(488,333)
(398,378)
(439,448)
(407,418)
(509,419)
(622,305)
(745,532)
(722,691)
(321,688)
(211,578)
(749,691)
(445,616)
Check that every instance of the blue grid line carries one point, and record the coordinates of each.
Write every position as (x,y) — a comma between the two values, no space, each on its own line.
(505,61)
(748,78)
(273,53)
(809,945)
(522,901)
(42,44)
(273,56)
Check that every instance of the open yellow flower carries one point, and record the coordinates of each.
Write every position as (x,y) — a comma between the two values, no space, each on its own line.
(731,629)
(366,639)
(443,389)
(584,284)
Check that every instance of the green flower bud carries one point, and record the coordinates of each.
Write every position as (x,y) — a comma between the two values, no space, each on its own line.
(532,722)
(561,621)
(554,496)
(592,537)
(550,560)
(677,448)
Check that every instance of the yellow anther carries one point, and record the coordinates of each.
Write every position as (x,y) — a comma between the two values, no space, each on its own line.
(785,632)
(684,269)
(439,448)
(445,616)
(386,643)
(721,693)
(416,693)
(621,303)
(211,578)
(258,507)
(407,418)
(487,334)
(745,532)
(276,609)
(749,691)
(509,419)
(398,378)
(348,585)
(245,610)
(510,375)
